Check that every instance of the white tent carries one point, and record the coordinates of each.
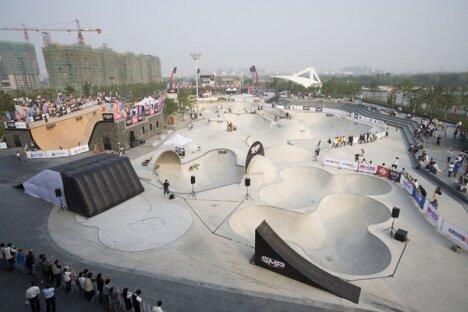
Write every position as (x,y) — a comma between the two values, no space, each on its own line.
(178,140)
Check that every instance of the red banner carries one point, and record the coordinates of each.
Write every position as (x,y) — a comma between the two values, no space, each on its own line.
(134,119)
(383,171)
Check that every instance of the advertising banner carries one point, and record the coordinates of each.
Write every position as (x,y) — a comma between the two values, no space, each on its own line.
(350,165)
(280,106)
(10,125)
(134,119)
(383,171)
(407,185)
(368,168)
(432,215)
(37,118)
(20,125)
(57,153)
(318,109)
(255,149)
(36,154)
(79,149)
(459,236)
(331,162)
(306,108)
(419,198)
(3,145)
(394,176)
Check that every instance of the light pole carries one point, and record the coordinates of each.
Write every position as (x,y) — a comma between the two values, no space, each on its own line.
(196,57)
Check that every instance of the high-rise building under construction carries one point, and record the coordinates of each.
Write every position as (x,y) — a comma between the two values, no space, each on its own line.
(77,64)
(18,66)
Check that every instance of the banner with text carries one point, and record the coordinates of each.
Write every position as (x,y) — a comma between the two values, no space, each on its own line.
(459,236)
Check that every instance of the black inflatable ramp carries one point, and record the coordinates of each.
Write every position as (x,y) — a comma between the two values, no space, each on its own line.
(274,254)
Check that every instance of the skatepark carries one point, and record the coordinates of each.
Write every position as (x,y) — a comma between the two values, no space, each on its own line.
(337,219)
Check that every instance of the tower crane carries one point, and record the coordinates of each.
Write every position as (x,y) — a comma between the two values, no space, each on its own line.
(79,30)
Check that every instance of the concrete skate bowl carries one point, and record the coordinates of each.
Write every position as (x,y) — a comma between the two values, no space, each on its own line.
(338,236)
(321,126)
(69,131)
(286,153)
(302,188)
(283,131)
(248,123)
(213,169)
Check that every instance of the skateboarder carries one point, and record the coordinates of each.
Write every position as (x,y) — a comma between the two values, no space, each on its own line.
(166,187)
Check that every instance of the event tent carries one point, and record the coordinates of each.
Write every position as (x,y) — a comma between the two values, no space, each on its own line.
(89,185)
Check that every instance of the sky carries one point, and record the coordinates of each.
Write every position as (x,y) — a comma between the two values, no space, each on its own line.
(276,35)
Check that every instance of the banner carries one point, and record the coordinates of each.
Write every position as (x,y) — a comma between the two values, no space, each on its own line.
(79,149)
(351,165)
(57,153)
(394,176)
(108,117)
(368,168)
(407,185)
(20,125)
(419,198)
(432,215)
(255,149)
(383,171)
(36,154)
(3,145)
(331,162)
(459,236)
(318,109)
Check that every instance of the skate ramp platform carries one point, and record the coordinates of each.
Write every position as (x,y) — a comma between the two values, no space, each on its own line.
(213,169)
(301,188)
(67,131)
(274,254)
(338,236)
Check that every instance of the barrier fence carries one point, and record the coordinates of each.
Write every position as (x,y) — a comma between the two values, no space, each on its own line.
(57,153)
(426,208)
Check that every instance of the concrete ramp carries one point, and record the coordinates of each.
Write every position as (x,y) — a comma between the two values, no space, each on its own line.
(302,187)
(213,169)
(67,131)
(261,171)
(336,236)
(286,153)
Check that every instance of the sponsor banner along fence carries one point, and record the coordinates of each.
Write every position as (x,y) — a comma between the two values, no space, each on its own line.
(430,212)
(57,153)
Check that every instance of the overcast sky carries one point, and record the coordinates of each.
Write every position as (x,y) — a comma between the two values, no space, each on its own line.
(277,35)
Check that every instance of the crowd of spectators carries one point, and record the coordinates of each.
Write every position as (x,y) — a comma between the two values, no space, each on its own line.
(29,110)
(50,275)
(340,141)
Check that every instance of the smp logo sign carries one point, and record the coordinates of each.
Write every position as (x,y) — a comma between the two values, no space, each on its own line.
(272,262)
(254,149)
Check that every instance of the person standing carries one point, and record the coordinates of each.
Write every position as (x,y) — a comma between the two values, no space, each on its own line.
(395,164)
(30,261)
(57,272)
(450,169)
(166,187)
(114,302)
(10,253)
(18,157)
(20,259)
(136,300)
(49,295)
(450,155)
(88,287)
(127,298)
(106,292)
(32,296)
(67,275)
(157,307)
(100,286)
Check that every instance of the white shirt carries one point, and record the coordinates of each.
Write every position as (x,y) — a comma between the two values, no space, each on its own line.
(48,292)
(67,276)
(157,309)
(8,252)
(81,280)
(32,292)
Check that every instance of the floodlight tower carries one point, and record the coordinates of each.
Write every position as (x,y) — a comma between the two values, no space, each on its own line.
(196,57)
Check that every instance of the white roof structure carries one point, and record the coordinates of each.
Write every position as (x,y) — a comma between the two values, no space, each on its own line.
(306,78)
(178,140)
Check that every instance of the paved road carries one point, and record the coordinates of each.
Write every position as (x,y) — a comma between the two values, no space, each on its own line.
(24,223)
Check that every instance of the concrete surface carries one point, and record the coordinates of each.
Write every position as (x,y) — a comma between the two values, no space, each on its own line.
(211,260)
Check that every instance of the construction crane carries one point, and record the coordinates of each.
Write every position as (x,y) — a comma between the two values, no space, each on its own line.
(79,29)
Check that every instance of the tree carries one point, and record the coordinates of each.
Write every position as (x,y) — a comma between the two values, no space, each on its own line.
(6,103)
(69,90)
(170,107)
(86,89)
(186,101)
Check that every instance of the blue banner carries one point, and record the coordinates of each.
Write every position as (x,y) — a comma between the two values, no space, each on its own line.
(419,198)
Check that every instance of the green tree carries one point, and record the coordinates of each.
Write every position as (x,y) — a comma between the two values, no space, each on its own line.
(185,100)
(69,90)
(86,88)
(170,106)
